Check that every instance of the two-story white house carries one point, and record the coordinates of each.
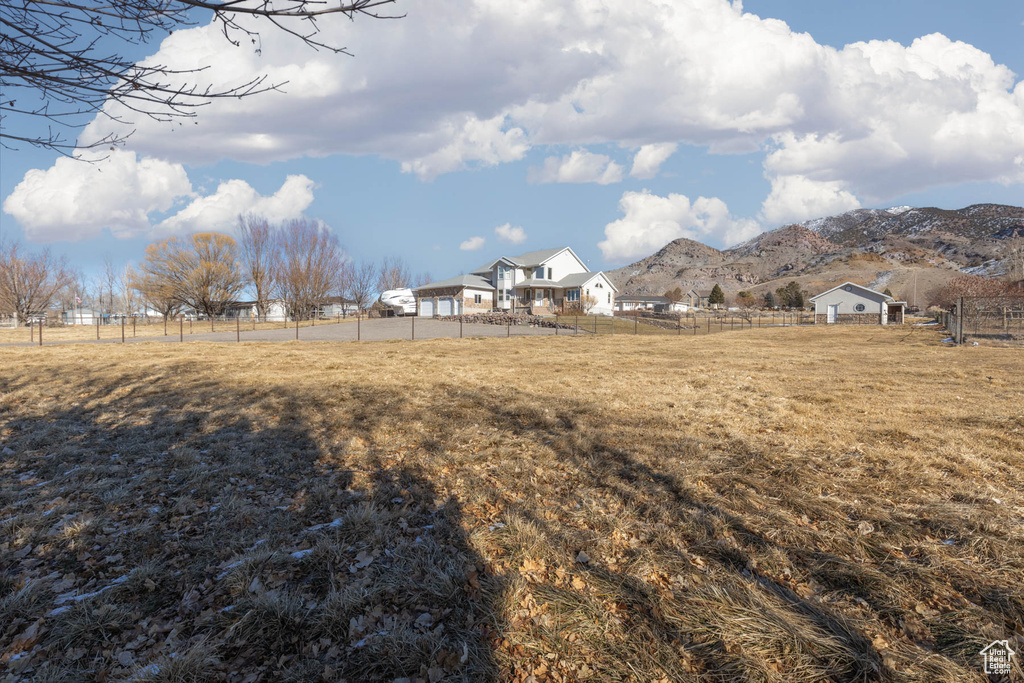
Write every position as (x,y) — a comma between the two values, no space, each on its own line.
(538,282)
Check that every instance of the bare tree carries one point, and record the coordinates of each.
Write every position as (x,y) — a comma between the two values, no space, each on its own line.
(62,60)
(108,282)
(423,279)
(258,247)
(362,285)
(393,274)
(200,271)
(30,282)
(967,285)
(1015,258)
(127,293)
(308,266)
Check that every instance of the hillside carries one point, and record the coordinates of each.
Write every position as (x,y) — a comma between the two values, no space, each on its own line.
(911,251)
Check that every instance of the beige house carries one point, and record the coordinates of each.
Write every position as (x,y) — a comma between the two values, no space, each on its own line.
(853,304)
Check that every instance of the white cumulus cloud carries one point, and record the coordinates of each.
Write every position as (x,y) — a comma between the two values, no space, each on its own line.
(510,234)
(651,221)
(796,198)
(219,211)
(74,200)
(579,166)
(649,158)
(470,83)
(472,244)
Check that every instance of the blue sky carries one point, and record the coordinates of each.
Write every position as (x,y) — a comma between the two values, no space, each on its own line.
(459,119)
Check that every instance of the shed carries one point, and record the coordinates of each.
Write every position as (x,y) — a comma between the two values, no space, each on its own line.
(853,304)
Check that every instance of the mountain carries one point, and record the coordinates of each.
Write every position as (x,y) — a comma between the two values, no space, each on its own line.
(911,251)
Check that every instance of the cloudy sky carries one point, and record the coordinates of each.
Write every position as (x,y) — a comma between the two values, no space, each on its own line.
(474,128)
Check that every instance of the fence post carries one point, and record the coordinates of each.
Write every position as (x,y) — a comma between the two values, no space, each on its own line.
(296,328)
(460,328)
(709,324)
(959,337)
(97,326)
(595,326)
(31,331)
(190,325)
(238,329)
(359,320)
(575,325)
(181,329)
(413,319)
(165,325)
(636,322)
(508,328)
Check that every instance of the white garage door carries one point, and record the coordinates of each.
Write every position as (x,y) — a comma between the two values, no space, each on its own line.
(444,306)
(427,307)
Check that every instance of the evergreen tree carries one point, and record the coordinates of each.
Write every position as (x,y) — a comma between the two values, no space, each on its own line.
(717,295)
(769,300)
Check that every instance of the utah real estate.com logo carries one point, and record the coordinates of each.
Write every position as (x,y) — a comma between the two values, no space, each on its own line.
(997,657)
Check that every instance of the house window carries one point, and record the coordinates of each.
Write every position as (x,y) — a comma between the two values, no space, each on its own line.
(549,274)
(540,295)
(478,298)
(538,273)
(572,295)
(501,272)
(609,297)
(859,308)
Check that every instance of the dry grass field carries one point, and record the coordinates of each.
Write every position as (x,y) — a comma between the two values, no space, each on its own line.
(789,504)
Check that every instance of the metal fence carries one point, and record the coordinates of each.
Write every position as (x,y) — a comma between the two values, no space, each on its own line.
(367,328)
(986,317)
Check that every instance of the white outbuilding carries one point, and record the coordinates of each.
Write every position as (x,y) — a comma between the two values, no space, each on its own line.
(853,304)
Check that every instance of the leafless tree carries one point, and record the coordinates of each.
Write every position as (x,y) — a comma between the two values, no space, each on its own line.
(29,282)
(200,271)
(62,60)
(361,289)
(1015,258)
(108,282)
(423,279)
(127,293)
(258,247)
(393,274)
(308,266)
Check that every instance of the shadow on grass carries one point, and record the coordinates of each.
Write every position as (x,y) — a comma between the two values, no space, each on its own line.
(191,530)
(372,533)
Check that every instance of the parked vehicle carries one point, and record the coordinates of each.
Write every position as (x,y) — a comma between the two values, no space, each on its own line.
(399,301)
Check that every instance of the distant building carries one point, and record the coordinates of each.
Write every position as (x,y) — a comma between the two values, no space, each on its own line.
(853,304)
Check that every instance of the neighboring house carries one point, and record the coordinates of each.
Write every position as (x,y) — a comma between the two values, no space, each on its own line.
(80,316)
(658,304)
(850,303)
(337,305)
(538,282)
(277,311)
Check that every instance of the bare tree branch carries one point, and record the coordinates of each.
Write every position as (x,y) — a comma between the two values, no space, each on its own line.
(62,60)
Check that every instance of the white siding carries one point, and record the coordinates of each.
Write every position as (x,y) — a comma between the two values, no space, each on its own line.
(564,264)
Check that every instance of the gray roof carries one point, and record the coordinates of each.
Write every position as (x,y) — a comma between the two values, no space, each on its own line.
(530,258)
(576,279)
(885,297)
(458,281)
(539,282)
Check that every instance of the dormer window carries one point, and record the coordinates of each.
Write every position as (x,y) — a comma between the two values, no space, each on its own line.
(538,273)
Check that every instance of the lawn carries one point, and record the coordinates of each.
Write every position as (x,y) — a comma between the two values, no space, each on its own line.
(784,504)
(155,328)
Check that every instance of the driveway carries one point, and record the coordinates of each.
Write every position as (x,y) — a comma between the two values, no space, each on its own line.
(366,330)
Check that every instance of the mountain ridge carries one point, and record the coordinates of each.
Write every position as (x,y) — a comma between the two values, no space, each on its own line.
(884,248)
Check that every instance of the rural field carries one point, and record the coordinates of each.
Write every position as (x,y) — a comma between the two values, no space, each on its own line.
(786,504)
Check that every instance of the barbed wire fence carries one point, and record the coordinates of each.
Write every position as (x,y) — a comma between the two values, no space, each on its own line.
(986,317)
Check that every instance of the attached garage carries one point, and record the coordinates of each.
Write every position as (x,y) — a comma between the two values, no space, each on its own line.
(426,308)
(445,305)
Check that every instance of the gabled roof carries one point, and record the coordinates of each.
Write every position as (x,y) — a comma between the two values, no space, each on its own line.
(580,279)
(470,280)
(854,284)
(535,258)
(530,258)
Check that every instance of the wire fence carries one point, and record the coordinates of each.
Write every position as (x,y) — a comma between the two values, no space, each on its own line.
(365,328)
(988,317)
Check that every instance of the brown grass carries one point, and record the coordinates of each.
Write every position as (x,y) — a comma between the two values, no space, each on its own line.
(785,504)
